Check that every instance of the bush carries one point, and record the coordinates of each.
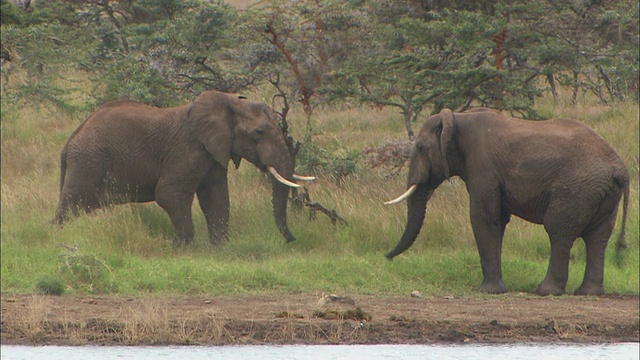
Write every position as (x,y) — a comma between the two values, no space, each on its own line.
(87,269)
(390,156)
(50,286)
(313,159)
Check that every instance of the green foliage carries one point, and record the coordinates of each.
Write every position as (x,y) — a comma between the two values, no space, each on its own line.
(313,159)
(458,54)
(37,60)
(50,286)
(127,79)
(88,271)
(163,55)
(410,55)
(444,60)
(10,14)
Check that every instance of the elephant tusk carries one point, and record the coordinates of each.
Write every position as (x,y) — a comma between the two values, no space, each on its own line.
(304,178)
(281,179)
(406,194)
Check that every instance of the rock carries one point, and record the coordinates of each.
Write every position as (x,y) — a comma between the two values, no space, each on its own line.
(330,300)
(416,294)
(355,314)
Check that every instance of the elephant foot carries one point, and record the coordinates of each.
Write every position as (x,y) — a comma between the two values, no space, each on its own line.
(493,287)
(57,222)
(216,242)
(590,289)
(545,288)
(289,237)
(218,239)
(179,242)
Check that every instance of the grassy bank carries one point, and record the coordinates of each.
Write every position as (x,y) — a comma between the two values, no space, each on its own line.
(127,249)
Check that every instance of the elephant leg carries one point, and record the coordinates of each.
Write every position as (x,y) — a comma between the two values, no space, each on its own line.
(566,219)
(78,195)
(489,223)
(69,205)
(593,281)
(596,243)
(178,205)
(213,196)
(558,271)
(596,238)
(561,228)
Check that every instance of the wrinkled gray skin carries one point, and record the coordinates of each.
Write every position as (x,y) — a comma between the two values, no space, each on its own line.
(131,152)
(557,173)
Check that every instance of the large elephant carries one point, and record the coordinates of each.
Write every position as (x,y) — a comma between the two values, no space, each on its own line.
(557,173)
(131,152)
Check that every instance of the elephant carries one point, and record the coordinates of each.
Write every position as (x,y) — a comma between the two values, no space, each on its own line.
(127,151)
(557,172)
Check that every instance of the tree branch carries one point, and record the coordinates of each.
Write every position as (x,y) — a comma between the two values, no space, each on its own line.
(303,199)
(304,88)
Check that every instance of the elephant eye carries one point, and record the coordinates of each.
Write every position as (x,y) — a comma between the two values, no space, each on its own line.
(420,147)
(259,132)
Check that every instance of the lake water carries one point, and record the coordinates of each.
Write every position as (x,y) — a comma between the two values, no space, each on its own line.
(625,351)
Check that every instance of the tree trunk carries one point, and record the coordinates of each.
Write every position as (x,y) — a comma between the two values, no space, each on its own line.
(576,87)
(497,96)
(552,83)
(408,114)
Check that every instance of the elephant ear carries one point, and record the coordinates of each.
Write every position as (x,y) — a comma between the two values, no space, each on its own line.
(211,116)
(216,138)
(446,135)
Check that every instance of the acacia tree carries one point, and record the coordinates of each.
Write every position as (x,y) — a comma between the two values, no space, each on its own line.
(164,52)
(313,38)
(436,57)
(590,45)
(456,54)
(41,43)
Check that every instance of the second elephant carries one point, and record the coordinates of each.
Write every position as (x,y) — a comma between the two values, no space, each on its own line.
(131,152)
(557,173)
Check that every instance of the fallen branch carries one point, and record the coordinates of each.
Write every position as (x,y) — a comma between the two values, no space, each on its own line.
(303,199)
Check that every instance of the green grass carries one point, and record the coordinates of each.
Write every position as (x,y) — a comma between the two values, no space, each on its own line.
(127,249)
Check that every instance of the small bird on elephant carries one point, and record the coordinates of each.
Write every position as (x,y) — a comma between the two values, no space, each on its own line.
(558,173)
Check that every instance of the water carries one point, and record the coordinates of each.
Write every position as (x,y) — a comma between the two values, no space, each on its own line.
(625,351)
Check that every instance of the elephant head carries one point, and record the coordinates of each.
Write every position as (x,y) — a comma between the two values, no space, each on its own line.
(232,127)
(429,167)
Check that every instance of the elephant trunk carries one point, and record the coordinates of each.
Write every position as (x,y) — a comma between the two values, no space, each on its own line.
(280,199)
(416,210)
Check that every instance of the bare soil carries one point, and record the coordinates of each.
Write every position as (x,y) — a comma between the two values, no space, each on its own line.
(303,318)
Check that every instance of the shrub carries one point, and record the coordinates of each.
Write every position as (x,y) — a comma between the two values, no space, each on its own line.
(88,270)
(313,159)
(390,156)
(50,286)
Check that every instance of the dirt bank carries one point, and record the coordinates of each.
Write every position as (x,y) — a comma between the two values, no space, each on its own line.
(311,319)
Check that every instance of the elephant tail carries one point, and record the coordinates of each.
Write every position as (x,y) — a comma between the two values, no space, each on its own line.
(59,218)
(63,167)
(622,243)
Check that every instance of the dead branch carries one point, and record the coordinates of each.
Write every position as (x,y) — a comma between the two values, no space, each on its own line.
(303,199)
